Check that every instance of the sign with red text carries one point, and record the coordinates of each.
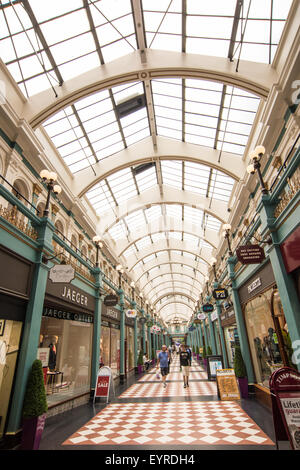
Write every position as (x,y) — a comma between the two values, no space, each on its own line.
(104,383)
(285,394)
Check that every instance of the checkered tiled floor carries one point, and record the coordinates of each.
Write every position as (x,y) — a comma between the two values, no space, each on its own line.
(181,422)
(178,423)
(173,389)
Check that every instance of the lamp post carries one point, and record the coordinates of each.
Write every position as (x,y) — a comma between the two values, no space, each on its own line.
(255,165)
(213,262)
(120,270)
(49,177)
(99,245)
(226,233)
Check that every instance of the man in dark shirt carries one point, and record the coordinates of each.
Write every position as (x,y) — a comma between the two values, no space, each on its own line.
(185,362)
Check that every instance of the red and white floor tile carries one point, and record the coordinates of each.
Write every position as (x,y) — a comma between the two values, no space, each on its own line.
(174,376)
(175,423)
(173,389)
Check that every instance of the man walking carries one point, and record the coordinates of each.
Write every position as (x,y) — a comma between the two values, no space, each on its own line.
(185,362)
(163,362)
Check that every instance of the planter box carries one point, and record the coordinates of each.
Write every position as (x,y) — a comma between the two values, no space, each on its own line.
(204,363)
(32,432)
(243,385)
(198,357)
(140,369)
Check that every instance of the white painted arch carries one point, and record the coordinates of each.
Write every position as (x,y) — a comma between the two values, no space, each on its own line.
(253,77)
(183,294)
(148,281)
(169,195)
(165,245)
(167,149)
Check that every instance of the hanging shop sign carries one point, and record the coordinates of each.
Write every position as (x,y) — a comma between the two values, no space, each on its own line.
(214,316)
(63,273)
(142,320)
(200,316)
(250,254)
(207,308)
(220,294)
(285,395)
(228,388)
(254,285)
(130,313)
(111,300)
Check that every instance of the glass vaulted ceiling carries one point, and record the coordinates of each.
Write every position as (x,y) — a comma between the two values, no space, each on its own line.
(43,44)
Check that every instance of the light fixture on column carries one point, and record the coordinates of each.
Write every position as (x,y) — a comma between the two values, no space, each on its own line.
(49,177)
(226,233)
(99,245)
(206,281)
(255,158)
(213,262)
(120,270)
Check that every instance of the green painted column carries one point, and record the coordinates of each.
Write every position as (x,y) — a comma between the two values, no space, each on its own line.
(241,327)
(143,333)
(200,335)
(205,334)
(135,336)
(149,352)
(285,283)
(96,327)
(223,352)
(32,326)
(122,336)
(212,335)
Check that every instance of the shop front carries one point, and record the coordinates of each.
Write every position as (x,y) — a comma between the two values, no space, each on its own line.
(266,326)
(65,343)
(15,285)
(229,327)
(214,319)
(110,339)
(129,345)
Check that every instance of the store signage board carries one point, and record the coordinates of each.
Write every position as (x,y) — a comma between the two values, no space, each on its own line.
(285,395)
(111,300)
(63,273)
(228,388)
(213,364)
(104,383)
(207,308)
(214,316)
(220,294)
(254,285)
(201,316)
(250,254)
(130,313)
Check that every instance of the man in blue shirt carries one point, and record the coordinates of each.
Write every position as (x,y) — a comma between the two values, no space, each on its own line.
(162,361)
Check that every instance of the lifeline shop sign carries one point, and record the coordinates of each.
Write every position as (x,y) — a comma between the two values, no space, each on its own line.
(285,395)
(111,300)
(250,254)
(207,308)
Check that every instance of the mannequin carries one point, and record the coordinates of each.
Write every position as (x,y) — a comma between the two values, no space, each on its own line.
(52,355)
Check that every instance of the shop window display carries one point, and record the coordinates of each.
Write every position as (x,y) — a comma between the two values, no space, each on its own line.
(265,336)
(10,333)
(130,348)
(69,360)
(110,349)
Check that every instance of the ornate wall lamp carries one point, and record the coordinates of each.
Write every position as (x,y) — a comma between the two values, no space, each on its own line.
(255,165)
(120,270)
(226,233)
(99,245)
(213,262)
(49,177)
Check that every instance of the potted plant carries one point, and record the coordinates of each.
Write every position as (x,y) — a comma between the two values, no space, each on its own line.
(240,372)
(204,356)
(140,362)
(209,351)
(34,408)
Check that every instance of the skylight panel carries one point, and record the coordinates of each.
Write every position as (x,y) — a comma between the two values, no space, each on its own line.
(193,215)
(172,173)
(135,220)
(158,236)
(53,8)
(118,231)
(145,180)
(130,251)
(140,244)
(101,198)
(174,210)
